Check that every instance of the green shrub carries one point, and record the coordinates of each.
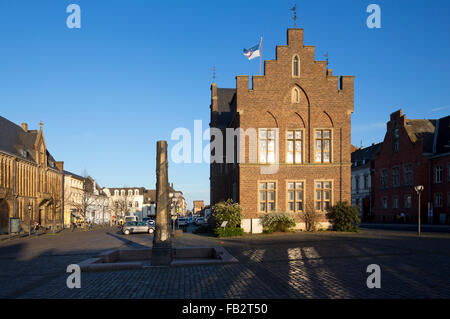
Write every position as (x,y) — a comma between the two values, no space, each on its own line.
(228,231)
(229,212)
(277,221)
(344,217)
(203,229)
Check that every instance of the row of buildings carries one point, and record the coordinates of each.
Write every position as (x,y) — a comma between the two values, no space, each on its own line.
(300,158)
(34,187)
(414,152)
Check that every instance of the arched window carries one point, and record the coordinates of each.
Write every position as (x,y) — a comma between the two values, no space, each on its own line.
(295,95)
(136,192)
(296,66)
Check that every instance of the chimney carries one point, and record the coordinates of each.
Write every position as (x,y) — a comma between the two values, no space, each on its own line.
(60,166)
(25,127)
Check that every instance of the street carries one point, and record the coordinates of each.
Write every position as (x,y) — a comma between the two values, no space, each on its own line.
(294,265)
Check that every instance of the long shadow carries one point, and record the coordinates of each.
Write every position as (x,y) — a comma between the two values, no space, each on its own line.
(127,242)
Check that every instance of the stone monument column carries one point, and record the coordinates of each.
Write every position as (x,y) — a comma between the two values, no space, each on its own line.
(162,242)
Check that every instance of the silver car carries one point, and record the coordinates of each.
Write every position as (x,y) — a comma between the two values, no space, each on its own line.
(137,227)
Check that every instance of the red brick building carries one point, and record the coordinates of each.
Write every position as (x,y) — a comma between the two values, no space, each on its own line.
(301,115)
(414,152)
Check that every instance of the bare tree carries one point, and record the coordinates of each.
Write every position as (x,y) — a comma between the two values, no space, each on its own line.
(83,201)
(310,217)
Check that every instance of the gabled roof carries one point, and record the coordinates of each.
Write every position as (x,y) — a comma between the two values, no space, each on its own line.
(364,155)
(226,99)
(14,140)
(421,130)
(442,140)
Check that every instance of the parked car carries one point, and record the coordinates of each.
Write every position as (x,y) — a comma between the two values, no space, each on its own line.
(137,227)
(131,219)
(182,221)
(199,221)
(150,222)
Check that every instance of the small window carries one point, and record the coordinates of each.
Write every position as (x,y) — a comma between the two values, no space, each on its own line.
(384,202)
(408,200)
(296,66)
(294,147)
(295,196)
(267,196)
(267,145)
(136,192)
(323,195)
(395,202)
(323,146)
(438,172)
(438,200)
(395,177)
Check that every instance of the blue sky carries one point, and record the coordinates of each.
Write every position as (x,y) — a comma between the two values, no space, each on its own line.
(138,69)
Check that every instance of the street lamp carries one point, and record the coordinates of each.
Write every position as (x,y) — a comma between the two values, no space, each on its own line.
(419,190)
(30,207)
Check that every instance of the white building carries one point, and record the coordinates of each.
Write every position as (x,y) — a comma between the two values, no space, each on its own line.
(362,161)
(125,201)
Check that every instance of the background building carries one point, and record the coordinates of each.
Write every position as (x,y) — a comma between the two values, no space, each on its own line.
(302,116)
(362,170)
(198,206)
(29,178)
(414,152)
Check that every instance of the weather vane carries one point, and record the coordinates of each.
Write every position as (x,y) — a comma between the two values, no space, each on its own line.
(294,9)
(214,73)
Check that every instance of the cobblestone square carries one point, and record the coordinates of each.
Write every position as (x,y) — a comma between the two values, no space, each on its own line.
(296,265)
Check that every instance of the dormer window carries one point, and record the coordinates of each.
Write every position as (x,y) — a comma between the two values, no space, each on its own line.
(116,193)
(296,66)
(130,192)
(136,192)
(122,192)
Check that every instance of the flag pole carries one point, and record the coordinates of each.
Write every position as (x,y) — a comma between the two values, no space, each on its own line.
(260,57)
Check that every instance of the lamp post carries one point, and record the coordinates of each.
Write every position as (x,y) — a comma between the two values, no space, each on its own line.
(30,207)
(419,189)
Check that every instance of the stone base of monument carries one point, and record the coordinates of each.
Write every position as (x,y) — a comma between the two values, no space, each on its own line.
(120,259)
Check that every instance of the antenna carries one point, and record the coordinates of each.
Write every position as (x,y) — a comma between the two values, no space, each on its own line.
(294,9)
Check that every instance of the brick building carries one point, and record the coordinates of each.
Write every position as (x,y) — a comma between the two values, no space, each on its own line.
(414,152)
(199,205)
(301,114)
(29,177)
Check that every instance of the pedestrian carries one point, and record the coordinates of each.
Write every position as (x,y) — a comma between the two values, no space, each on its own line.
(36,227)
(402,217)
